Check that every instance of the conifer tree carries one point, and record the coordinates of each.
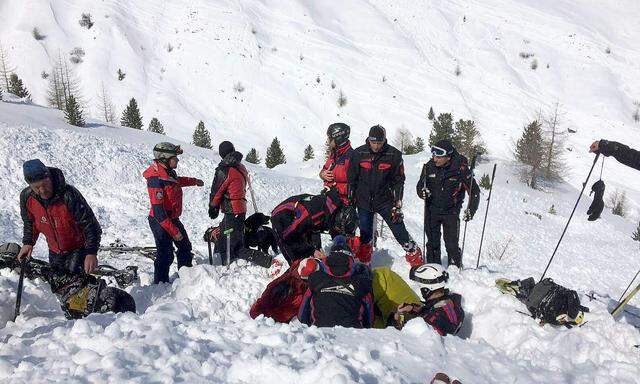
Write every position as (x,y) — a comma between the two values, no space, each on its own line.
(467,139)
(636,234)
(419,145)
(156,126)
(73,113)
(106,106)
(442,128)
(431,115)
(530,150)
(131,116)
(275,156)
(16,87)
(201,136)
(308,153)
(5,69)
(253,157)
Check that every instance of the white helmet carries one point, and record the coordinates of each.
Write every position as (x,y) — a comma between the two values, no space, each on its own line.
(431,276)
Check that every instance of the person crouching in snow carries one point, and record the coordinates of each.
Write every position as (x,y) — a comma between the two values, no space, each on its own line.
(339,293)
(441,309)
(165,192)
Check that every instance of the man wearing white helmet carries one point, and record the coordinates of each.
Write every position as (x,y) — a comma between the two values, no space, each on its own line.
(165,192)
(441,309)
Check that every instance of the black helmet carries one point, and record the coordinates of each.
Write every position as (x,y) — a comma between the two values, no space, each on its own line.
(345,220)
(166,150)
(339,132)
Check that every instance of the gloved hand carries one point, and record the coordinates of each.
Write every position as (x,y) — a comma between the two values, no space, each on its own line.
(214,212)
(467,216)
(424,193)
(212,234)
(396,215)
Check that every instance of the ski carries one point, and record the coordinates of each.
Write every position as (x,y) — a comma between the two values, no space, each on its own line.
(625,301)
(149,252)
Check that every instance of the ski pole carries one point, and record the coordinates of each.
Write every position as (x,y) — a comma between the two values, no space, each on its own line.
(486,213)
(464,233)
(424,213)
(570,216)
(253,196)
(628,286)
(23,265)
(625,301)
(210,254)
(505,248)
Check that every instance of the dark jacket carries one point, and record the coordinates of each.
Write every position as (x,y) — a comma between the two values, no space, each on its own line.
(332,300)
(296,219)
(66,220)
(376,180)
(444,314)
(622,153)
(338,162)
(165,194)
(229,186)
(447,186)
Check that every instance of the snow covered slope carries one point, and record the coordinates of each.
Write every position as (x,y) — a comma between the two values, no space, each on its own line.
(182,59)
(198,329)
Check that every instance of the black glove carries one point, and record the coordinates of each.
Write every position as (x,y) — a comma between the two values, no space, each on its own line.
(597,206)
(467,216)
(214,212)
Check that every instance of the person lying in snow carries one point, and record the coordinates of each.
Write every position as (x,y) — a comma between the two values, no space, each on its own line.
(548,302)
(339,291)
(441,309)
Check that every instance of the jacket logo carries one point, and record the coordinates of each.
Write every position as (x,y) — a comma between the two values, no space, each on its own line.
(43,219)
(432,175)
(159,195)
(340,289)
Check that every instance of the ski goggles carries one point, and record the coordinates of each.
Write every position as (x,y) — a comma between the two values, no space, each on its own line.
(437,151)
(440,279)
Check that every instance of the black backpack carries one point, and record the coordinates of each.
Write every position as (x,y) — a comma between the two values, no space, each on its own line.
(547,300)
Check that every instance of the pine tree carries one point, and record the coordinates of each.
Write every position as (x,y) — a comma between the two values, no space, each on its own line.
(467,139)
(485,182)
(73,113)
(131,116)
(403,140)
(636,234)
(442,128)
(16,87)
(253,157)
(275,156)
(431,115)
(553,163)
(156,126)
(201,136)
(419,144)
(5,68)
(530,150)
(308,153)
(62,84)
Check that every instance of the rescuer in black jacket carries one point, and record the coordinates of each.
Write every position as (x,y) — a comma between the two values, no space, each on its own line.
(622,153)
(443,182)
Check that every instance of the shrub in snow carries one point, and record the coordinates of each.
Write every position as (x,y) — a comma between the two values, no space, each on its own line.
(636,234)
(552,210)
(36,34)
(121,75)
(275,155)
(342,99)
(308,153)
(16,87)
(526,55)
(44,75)
(156,126)
(534,64)
(201,137)
(457,71)
(85,21)
(76,54)
(485,182)
(618,203)
(608,50)
(238,87)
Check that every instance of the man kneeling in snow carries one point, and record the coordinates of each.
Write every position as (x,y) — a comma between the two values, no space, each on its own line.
(441,309)
(339,292)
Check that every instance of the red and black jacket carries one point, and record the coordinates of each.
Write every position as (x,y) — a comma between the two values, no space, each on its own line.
(165,193)
(345,300)
(296,219)
(622,153)
(229,186)
(338,162)
(66,220)
(444,314)
(447,186)
(376,180)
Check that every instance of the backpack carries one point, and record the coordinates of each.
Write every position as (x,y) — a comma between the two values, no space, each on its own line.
(547,301)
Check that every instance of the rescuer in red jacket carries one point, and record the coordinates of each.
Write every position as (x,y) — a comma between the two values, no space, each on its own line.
(165,192)
(334,171)
(57,210)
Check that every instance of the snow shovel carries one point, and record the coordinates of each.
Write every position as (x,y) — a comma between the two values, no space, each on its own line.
(23,265)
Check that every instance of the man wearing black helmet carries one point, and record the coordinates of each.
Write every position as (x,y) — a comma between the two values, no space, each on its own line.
(376,184)
(299,220)
(334,171)
(443,182)
(165,192)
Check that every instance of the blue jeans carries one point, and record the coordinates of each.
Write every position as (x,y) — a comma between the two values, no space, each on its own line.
(164,250)
(366,226)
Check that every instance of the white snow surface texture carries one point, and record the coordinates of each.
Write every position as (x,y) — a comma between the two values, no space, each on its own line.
(197,329)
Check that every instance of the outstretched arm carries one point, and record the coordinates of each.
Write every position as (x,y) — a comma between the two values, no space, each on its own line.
(627,156)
